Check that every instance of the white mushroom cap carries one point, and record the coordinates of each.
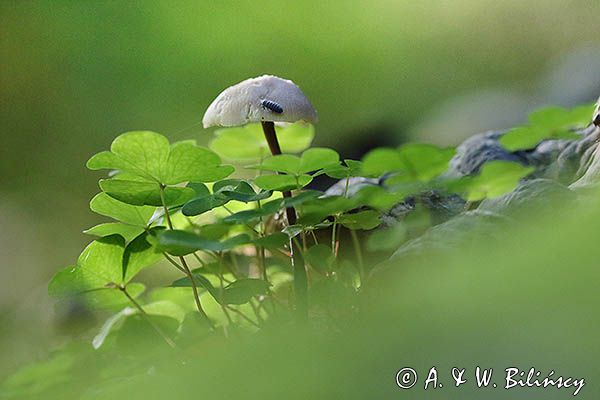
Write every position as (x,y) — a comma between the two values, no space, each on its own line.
(245,102)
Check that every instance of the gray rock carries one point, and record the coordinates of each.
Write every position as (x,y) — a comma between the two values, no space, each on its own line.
(566,161)
(536,194)
(459,232)
(492,220)
(353,185)
(561,160)
(479,149)
(440,207)
(590,166)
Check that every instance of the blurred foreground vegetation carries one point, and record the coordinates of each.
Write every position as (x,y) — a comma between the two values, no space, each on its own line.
(527,301)
(76,74)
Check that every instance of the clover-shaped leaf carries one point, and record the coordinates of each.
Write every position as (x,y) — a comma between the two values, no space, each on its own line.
(311,160)
(423,162)
(284,163)
(274,241)
(249,143)
(104,204)
(161,308)
(350,169)
(296,168)
(282,183)
(245,216)
(127,232)
(180,243)
(190,163)
(200,205)
(382,198)
(495,179)
(547,123)
(317,158)
(101,261)
(303,197)
(239,190)
(236,293)
(145,193)
(223,192)
(215,231)
(243,290)
(316,210)
(412,162)
(379,161)
(98,275)
(138,255)
(365,220)
(149,156)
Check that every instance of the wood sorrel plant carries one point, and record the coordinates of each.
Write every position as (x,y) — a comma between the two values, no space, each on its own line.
(177,206)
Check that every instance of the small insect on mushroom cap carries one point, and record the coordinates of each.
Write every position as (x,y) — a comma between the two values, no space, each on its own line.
(266,98)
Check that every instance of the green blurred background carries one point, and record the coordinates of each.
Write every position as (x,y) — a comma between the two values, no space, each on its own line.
(74,74)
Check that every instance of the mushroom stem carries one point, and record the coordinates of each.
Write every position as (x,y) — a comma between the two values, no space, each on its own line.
(271,136)
(300,278)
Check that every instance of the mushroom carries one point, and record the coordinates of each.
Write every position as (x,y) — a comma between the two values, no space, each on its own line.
(596,118)
(268,99)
